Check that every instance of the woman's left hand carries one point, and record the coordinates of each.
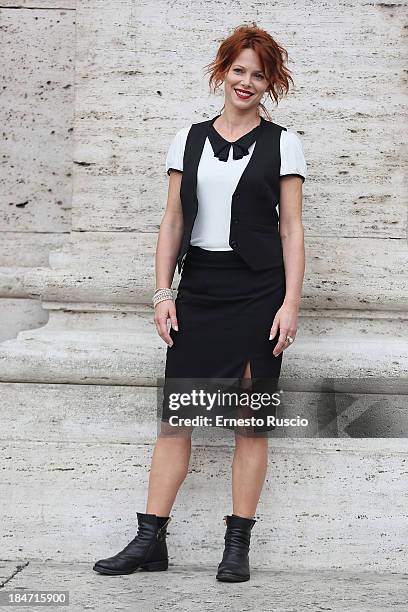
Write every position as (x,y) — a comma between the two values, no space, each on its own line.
(286,320)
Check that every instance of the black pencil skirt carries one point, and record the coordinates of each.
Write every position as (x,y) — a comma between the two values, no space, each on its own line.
(225,311)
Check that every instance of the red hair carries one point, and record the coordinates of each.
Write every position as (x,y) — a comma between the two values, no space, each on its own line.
(272,56)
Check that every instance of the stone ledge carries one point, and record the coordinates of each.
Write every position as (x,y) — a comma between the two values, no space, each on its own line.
(118,267)
(125,349)
(102,414)
(316,510)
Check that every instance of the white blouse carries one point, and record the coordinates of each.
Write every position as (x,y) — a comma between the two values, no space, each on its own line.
(217,181)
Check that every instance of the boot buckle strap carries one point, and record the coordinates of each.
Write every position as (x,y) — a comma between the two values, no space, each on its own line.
(160,531)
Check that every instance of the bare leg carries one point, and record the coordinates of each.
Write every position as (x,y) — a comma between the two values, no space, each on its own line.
(249,468)
(168,470)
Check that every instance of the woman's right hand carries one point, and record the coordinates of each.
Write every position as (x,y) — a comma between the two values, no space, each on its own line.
(165,310)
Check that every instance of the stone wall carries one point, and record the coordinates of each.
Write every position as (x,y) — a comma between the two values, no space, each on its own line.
(77,261)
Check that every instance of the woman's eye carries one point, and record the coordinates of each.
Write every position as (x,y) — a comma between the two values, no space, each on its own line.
(259,76)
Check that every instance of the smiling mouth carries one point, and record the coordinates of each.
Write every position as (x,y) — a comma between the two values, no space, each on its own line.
(243,95)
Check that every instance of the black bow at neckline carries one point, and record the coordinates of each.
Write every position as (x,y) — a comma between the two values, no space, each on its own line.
(221,147)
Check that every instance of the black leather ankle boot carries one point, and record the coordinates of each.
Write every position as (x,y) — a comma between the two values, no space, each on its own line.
(148,550)
(234,566)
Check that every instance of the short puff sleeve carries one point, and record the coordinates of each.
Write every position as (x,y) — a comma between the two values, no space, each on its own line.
(175,153)
(292,156)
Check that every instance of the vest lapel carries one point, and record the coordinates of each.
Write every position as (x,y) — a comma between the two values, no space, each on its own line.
(192,154)
(255,157)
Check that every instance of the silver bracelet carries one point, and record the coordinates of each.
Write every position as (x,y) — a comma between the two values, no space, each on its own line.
(161,288)
(162,294)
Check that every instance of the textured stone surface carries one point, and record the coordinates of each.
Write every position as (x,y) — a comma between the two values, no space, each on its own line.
(16,315)
(38,48)
(127,415)
(184,587)
(124,348)
(319,508)
(28,249)
(7,570)
(76,458)
(118,267)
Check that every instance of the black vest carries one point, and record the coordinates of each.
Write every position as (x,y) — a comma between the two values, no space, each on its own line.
(254,232)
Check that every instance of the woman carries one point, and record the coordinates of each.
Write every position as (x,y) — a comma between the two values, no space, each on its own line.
(238,299)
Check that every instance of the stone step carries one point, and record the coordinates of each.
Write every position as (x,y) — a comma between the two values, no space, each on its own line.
(20,314)
(129,415)
(76,461)
(124,348)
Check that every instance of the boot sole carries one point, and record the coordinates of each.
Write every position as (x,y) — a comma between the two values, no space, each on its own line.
(231,578)
(153,566)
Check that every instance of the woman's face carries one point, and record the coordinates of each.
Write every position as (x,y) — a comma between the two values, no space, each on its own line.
(245,75)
